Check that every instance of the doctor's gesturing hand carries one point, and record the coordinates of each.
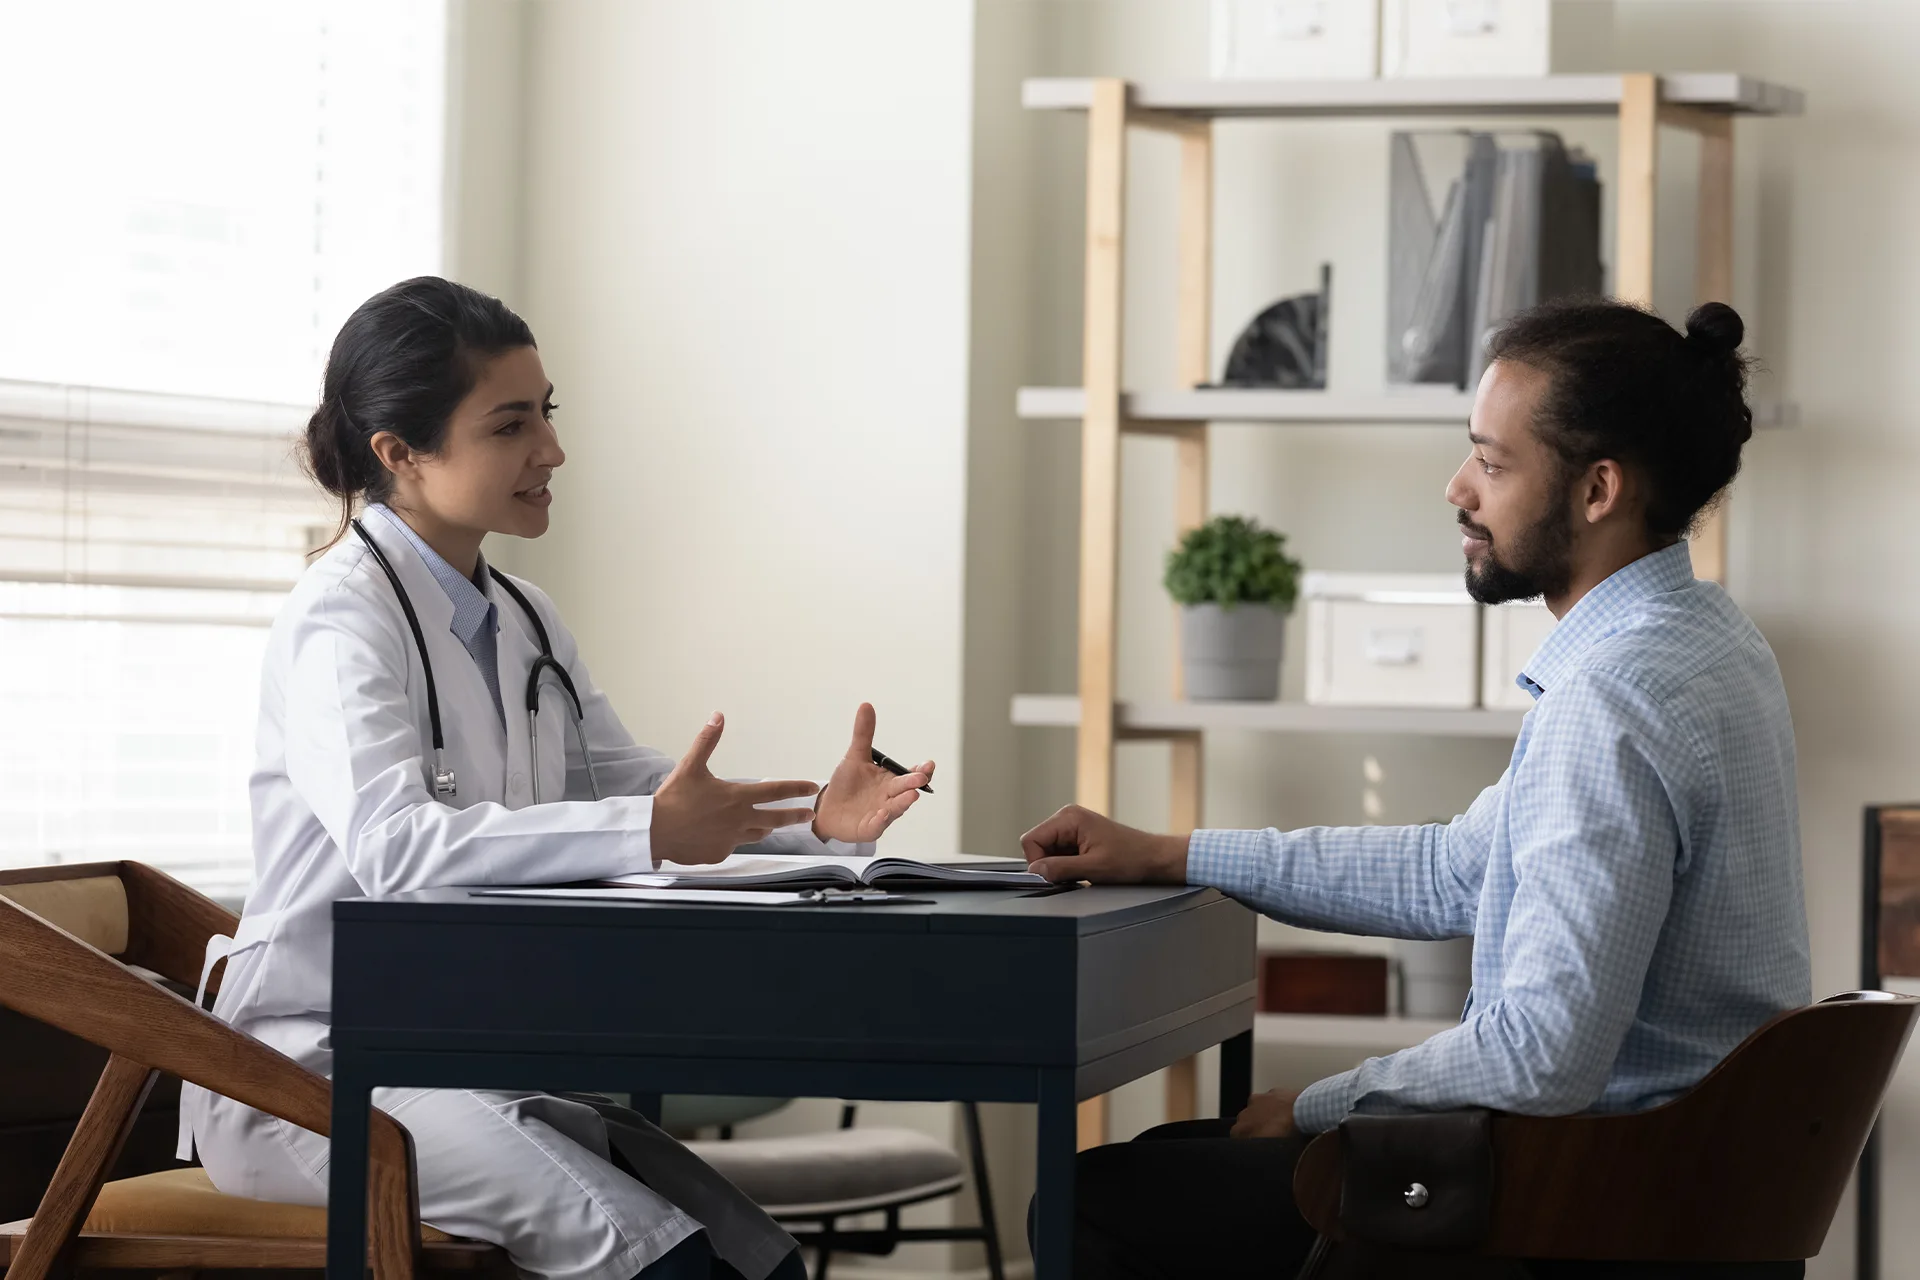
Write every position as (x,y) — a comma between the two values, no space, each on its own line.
(862,799)
(1079,844)
(698,818)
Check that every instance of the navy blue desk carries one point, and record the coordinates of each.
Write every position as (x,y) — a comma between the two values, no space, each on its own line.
(993,996)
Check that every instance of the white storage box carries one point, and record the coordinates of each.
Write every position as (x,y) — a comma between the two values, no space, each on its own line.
(1495,37)
(1391,640)
(1513,633)
(1296,39)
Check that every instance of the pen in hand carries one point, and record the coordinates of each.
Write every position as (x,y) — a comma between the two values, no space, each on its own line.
(894,767)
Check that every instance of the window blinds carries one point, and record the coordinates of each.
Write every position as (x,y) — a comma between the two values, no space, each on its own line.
(205,192)
(127,490)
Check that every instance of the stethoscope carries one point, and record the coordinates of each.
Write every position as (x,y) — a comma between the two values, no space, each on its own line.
(444,783)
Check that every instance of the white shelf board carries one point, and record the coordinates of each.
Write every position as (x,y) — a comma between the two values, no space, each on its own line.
(1253,404)
(1718,91)
(1438,406)
(1344,1031)
(1063,711)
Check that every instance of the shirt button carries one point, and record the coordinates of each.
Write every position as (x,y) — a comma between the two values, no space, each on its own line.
(517,783)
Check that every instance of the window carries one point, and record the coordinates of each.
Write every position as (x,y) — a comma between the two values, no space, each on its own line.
(213,188)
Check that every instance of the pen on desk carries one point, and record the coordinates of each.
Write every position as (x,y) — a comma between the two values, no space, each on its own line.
(895,768)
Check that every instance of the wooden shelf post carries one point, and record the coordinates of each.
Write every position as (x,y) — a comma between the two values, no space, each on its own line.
(1194,367)
(1641,115)
(1100,469)
(1100,438)
(1713,282)
(1639,165)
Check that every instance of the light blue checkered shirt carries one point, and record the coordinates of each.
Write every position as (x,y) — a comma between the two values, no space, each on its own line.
(476,619)
(1632,883)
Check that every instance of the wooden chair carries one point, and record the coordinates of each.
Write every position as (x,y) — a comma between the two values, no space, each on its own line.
(74,941)
(1747,1166)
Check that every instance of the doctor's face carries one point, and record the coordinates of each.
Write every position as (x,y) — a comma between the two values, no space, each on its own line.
(490,473)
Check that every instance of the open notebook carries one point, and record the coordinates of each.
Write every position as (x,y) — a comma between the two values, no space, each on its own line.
(800,871)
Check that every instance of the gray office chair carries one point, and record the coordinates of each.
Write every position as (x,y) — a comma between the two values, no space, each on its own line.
(810,1182)
(684,1115)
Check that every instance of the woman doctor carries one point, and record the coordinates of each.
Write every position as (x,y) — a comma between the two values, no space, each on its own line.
(437,415)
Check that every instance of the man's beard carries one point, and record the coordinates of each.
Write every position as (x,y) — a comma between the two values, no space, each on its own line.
(1539,561)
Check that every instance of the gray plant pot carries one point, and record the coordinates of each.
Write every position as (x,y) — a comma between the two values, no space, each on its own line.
(1232,655)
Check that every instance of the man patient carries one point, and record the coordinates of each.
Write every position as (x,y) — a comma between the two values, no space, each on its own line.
(1632,882)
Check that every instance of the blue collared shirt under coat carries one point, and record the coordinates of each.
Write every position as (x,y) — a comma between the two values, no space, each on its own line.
(1632,882)
(476,618)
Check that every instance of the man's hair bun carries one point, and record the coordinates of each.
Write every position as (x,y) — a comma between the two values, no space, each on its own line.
(1716,329)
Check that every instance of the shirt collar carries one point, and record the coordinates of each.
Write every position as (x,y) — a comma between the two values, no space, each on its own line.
(1600,612)
(472,609)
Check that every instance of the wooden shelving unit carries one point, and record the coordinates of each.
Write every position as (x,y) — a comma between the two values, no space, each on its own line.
(1704,103)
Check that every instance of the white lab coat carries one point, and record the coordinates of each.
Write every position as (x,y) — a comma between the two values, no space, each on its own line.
(343,806)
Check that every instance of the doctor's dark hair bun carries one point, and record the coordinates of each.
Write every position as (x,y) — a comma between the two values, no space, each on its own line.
(402,363)
(1626,385)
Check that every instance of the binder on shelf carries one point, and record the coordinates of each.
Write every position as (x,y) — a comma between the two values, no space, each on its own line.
(1520,223)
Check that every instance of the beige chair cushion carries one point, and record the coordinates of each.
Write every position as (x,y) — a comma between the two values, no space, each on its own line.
(841,1171)
(93,909)
(183,1202)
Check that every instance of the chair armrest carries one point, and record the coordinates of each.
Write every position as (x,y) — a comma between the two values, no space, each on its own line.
(1650,1186)
(1749,1165)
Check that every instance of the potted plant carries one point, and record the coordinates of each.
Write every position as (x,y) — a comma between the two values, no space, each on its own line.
(1235,585)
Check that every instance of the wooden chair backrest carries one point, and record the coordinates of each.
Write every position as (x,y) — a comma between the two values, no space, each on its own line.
(91,908)
(62,978)
(1747,1166)
(144,917)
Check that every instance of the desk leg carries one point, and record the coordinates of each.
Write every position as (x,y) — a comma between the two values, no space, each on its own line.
(1053,1185)
(1236,1073)
(347,1179)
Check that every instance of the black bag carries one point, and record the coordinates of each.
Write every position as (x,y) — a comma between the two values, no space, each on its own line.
(1418,1182)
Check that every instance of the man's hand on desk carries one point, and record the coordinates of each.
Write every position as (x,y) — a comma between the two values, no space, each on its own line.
(1079,844)
(1268,1115)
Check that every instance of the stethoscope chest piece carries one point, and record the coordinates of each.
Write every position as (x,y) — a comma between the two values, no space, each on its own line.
(444,783)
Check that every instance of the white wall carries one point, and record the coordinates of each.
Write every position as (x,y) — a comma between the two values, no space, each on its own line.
(745,257)
(486,127)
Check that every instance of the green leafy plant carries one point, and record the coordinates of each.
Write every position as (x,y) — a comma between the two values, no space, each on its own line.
(1231,560)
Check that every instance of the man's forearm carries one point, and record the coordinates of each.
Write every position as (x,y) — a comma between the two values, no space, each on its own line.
(1398,882)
